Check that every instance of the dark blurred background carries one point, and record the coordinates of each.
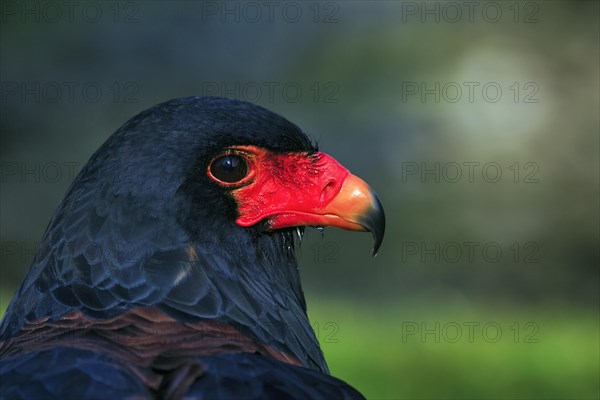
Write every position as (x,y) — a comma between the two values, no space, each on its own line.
(476,122)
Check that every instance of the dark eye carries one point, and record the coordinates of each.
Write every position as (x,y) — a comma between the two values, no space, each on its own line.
(230,168)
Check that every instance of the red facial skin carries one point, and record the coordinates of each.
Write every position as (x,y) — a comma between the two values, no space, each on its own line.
(297,189)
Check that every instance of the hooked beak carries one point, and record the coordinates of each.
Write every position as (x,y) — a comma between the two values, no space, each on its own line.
(356,207)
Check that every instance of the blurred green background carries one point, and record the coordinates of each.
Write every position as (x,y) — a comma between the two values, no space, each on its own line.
(477,123)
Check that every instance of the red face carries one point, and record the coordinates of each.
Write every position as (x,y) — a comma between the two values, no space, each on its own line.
(296,189)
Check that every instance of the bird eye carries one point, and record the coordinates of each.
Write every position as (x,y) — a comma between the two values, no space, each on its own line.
(229,168)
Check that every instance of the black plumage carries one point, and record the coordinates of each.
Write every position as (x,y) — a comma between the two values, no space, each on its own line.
(143,227)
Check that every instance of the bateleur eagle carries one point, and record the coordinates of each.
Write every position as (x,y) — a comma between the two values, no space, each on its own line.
(168,270)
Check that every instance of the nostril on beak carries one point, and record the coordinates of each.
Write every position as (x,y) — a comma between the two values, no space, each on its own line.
(329,191)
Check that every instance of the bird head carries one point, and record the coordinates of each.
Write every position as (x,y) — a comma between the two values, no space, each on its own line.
(282,181)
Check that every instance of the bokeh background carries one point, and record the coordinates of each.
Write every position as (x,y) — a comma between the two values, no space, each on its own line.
(477,123)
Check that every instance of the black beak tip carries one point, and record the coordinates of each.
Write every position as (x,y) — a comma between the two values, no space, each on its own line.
(379,230)
(374,221)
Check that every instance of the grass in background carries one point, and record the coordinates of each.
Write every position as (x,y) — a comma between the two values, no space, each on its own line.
(5,298)
(394,353)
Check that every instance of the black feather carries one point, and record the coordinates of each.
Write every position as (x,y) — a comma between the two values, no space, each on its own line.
(143,226)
